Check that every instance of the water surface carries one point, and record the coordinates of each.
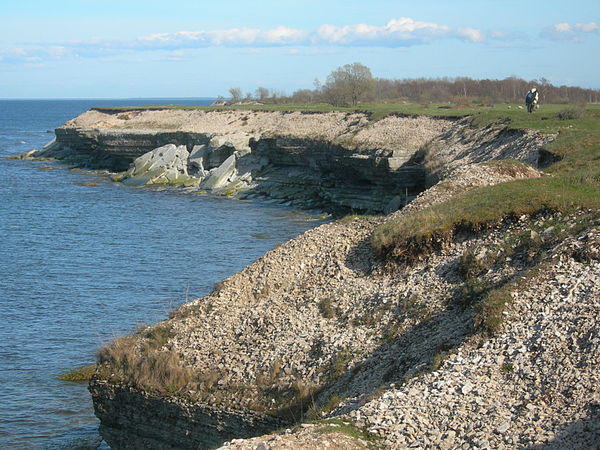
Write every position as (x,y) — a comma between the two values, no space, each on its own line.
(83,260)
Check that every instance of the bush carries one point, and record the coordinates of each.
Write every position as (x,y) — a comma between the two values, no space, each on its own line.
(571,113)
(490,316)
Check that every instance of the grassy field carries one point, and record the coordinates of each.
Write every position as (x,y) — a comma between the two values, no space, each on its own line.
(381,110)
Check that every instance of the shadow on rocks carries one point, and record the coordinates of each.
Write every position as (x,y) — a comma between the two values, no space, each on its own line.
(581,434)
(403,354)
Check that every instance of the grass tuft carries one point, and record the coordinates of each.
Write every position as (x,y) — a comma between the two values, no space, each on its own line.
(326,308)
(491,310)
(139,360)
(571,113)
(363,437)
(80,374)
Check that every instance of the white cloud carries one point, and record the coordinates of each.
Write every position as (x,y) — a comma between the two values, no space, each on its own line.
(570,32)
(471,34)
(21,55)
(588,27)
(500,35)
(397,32)
(400,32)
(233,37)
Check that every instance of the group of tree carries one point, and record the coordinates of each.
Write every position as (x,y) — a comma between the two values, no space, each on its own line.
(351,84)
(260,94)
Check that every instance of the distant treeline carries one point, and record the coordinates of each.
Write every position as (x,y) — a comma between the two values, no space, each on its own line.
(508,90)
(461,90)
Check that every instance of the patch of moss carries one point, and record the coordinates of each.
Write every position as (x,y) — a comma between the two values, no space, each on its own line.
(348,428)
(118,177)
(80,374)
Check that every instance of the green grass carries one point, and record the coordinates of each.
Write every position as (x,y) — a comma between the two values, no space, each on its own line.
(572,185)
(413,235)
(348,428)
(483,114)
(80,374)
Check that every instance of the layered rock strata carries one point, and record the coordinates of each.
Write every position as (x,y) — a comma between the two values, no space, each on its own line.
(130,419)
(332,161)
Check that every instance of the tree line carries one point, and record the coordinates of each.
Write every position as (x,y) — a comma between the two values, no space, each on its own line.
(351,84)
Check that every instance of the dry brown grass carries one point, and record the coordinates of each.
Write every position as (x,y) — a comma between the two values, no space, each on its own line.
(139,360)
(514,169)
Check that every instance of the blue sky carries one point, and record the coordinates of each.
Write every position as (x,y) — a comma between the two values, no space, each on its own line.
(184,48)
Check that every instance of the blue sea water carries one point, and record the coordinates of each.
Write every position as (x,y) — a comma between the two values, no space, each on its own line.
(83,259)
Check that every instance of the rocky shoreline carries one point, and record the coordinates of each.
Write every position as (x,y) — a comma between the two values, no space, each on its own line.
(322,327)
(339,162)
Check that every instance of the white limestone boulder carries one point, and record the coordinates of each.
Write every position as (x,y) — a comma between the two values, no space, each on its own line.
(163,165)
(222,175)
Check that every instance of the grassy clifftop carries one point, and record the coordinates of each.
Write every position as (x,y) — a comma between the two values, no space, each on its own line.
(380,110)
(573,183)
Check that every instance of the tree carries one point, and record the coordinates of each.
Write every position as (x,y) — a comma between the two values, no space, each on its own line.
(348,84)
(236,94)
(262,93)
(303,96)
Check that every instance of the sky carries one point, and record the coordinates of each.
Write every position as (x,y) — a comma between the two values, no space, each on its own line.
(195,48)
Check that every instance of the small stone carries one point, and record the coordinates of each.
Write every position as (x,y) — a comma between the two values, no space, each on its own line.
(503,427)
(547,232)
(467,387)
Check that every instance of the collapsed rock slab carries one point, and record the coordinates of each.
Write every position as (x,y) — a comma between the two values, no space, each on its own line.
(163,165)
(220,176)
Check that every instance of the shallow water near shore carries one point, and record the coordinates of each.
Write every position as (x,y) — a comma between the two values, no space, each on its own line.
(84,259)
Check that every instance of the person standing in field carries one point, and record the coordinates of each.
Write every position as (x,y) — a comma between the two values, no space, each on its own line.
(531,100)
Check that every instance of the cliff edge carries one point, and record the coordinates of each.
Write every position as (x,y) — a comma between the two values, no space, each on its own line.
(332,161)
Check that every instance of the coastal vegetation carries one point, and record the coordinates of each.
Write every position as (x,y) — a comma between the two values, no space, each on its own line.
(571,188)
(79,374)
(574,184)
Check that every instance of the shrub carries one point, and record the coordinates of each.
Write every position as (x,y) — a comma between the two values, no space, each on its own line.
(491,309)
(302,401)
(571,113)
(315,413)
(472,290)
(326,308)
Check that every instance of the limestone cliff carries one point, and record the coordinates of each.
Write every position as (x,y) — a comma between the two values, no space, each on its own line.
(322,326)
(332,161)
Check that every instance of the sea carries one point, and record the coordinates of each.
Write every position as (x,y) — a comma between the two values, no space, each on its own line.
(84,260)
